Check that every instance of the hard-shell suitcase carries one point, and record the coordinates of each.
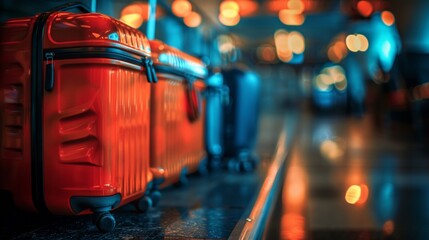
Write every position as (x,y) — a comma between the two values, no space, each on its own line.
(75,114)
(241,117)
(216,97)
(177,123)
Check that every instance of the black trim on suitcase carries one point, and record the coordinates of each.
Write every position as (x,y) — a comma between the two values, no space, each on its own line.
(104,52)
(37,113)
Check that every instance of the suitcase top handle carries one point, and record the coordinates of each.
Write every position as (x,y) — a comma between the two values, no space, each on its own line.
(70,6)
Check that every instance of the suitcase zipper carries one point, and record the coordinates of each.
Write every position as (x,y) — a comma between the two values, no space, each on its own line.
(93,52)
(49,80)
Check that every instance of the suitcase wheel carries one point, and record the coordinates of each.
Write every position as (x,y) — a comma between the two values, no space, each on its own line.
(104,221)
(156,197)
(143,204)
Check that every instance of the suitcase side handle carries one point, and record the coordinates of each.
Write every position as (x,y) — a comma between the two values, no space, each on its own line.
(193,97)
(70,6)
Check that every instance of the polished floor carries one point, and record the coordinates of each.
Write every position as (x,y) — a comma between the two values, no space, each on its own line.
(348,178)
(343,178)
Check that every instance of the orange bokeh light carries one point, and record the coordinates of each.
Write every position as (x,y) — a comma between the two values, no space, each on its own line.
(357,194)
(193,19)
(276,5)
(266,53)
(247,7)
(135,14)
(388,18)
(181,8)
(229,21)
(365,8)
(229,5)
(291,19)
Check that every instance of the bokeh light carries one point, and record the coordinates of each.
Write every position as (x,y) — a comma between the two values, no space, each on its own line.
(296,42)
(365,8)
(364,44)
(192,20)
(181,8)
(353,43)
(134,14)
(388,18)
(291,19)
(247,7)
(357,194)
(229,9)
(229,21)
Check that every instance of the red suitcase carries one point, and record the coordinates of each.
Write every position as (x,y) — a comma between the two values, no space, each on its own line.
(177,122)
(75,114)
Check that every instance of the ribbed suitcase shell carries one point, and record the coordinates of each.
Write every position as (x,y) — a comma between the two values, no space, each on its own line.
(177,144)
(95,120)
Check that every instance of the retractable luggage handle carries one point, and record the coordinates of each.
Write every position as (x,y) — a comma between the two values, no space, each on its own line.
(193,99)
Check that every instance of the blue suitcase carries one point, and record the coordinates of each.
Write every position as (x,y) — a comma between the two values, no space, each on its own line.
(215,95)
(241,117)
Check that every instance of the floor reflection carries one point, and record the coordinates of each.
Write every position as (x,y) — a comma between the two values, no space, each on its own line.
(348,180)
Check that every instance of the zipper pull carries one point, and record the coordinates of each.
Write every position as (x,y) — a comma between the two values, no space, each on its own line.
(146,61)
(152,69)
(49,77)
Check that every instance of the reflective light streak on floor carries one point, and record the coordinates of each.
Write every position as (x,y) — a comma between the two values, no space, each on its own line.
(346,179)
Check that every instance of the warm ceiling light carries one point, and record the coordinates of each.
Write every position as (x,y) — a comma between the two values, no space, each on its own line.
(181,8)
(229,13)
(276,5)
(365,8)
(388,18)
(229,5)
(295,6)
(247,7)
(353,43)
(134,14)
(364,44)
(296,42)
(291,19)
(193,19)
(229,9)
(134,20)
(229,21)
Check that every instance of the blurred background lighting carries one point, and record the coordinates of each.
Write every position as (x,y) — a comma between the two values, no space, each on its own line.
(388,227)
(266,53)
(388,18)
(229,21)
(229,9)
(296,42)
(295,7)
(365,8)
(247,7)
(364,44)
(291,19)
(357,194)
(134,14)
(353,43)
(192,20)
(181,8)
